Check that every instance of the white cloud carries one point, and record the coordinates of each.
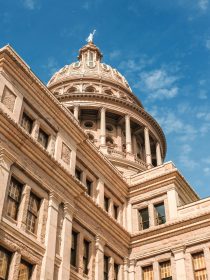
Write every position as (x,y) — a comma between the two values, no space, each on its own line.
(29,4)
(51,65)
(206,170)
(86,6)
(159,84)
(208,44)
(203,4)
(115,54)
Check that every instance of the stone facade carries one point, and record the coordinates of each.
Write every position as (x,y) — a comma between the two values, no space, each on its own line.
(84,190)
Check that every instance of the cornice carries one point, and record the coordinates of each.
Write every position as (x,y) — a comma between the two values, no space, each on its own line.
(171,229)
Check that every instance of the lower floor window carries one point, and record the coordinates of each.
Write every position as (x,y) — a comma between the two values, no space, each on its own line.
(199,266)
(165,270)
(4,263)
(148,273)
(25,271)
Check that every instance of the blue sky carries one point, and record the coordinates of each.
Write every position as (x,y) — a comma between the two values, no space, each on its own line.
(161,46)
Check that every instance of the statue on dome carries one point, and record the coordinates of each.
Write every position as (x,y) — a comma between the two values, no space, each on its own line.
(90,37)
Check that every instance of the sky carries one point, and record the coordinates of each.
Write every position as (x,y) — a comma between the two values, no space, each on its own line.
(162,48)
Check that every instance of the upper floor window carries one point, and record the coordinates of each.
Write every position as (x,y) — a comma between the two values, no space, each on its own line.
(74,248)
(27,122)
(89,184)
(5,257)
(14,197)
(144,218)
(116,211)
(165,270)
(32,214)
(86,248)
(78,173)
(106,203)
(25,271)
(43,138)
(147,272)
(160,213)
(106,268)
(199,266)
(116,271)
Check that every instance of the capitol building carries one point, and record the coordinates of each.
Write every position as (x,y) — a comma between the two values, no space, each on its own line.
(84,189)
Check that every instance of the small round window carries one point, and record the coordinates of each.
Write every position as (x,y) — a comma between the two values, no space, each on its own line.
(88,124)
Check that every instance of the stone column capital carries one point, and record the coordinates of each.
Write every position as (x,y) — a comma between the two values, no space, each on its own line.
(69,210)
(54,200)
(100,243)
(179,252)
(6,159)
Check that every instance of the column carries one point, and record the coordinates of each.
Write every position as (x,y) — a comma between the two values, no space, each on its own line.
(134,145)
(99,260)
(172,203)
(6,160)
(147,147)
(100,193)
(152,221)
(128,134)
(119,138)
(126,269)
(23,209)
(103,127)
(51,146)
(207,259)
(111,268)
(35,129)
(65,250)
(47,269)
(14,266)
(129,217)
(179,256)
(132,270)
(158,154)
(156,270)
(76,112)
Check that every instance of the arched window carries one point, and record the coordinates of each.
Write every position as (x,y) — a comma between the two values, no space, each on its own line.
(108,91)
(72,89)
(90,89)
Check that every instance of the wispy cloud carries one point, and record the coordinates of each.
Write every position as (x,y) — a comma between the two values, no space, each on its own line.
(30,4)
(203,4)
(51,65)
(208,44)
(185,158)
(115,54)
(159,84)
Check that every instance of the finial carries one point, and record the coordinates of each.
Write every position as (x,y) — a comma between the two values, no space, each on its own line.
(90,37)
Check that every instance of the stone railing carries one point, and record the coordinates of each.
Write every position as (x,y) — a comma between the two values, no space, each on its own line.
(194,208)
(116,153)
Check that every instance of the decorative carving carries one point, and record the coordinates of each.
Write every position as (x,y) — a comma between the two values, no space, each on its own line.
(8,99)
(65,153)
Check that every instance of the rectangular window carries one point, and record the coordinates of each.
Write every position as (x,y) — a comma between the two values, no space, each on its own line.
(199,266)
(148,273)
(89,184)
(106,203)
(78,173)
(106,268)
(144,218)
(5,257)
(27,122)
(165,270)
(74,248)
(33,212)
(25,271)
(43,138)
(116,208)
(160,213)
(86,248)
(116,271)
(14,197)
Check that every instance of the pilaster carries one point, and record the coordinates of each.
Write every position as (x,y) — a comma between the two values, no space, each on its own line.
(99,260)
(179,257)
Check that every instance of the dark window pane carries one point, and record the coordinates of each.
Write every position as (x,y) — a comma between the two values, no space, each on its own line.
(144,218)
(106,268)
(32,214)
(160,213)
(78,173)
(86,246)
(74,248)
(116,211)
(116,271)
(43,138)
(89,186)
(106,203)
(27,123)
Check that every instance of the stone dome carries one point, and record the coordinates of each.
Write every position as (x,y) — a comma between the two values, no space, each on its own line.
(90,66)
